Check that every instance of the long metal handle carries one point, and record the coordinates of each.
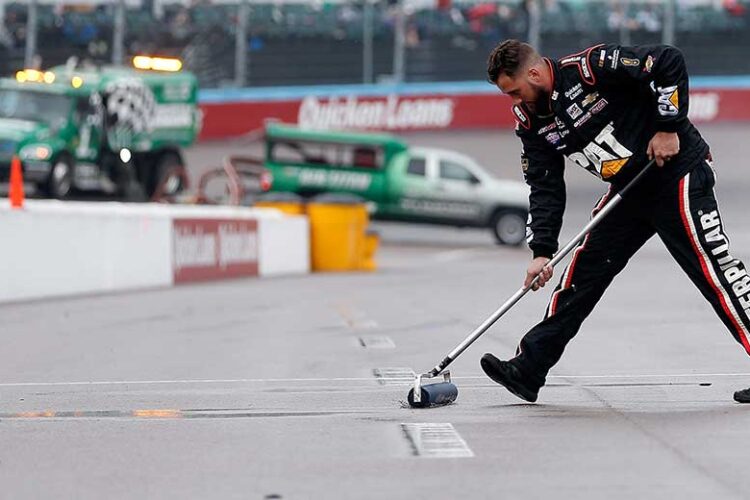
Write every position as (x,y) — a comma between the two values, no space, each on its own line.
(608,207)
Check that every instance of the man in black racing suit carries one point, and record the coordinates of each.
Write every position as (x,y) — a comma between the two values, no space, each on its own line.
(610,109)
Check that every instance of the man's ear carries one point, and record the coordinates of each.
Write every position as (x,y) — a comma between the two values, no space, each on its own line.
(534,74)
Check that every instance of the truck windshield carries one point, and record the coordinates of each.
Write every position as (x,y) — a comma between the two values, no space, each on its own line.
(51,109)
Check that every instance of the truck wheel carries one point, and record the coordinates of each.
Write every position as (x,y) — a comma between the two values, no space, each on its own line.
(60,181)
(167,173)
(509,227)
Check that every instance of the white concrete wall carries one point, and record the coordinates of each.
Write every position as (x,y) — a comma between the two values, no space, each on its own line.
(292,257)
(51,248)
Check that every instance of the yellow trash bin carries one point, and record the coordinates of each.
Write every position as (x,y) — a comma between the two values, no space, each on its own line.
(372,240)
(337,233)
(288,203)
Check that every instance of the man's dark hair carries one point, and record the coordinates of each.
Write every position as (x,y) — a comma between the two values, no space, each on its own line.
(508,58)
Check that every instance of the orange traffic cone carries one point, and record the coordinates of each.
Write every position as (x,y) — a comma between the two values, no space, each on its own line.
(16,194)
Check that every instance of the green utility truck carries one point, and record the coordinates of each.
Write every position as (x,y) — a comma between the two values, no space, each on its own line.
(425,185)
(111,129)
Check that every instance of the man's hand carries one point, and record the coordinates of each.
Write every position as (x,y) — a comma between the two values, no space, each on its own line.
(663,146)
(539,267)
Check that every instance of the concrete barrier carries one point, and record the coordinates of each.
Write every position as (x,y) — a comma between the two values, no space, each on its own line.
(292,255)
(51,248)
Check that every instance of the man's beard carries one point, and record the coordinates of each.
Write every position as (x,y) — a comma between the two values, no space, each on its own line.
(540,105)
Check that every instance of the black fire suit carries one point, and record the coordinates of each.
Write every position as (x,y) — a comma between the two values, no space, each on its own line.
(606,104)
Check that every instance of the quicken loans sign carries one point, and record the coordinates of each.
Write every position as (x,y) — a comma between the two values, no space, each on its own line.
(388,113)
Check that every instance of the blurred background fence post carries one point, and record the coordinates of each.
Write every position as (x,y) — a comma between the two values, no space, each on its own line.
(624,8)
(535,24)
(670,14)
(118,38)
(32,27)
(240,52)
(157,9)
(367,41)
(2,14)
(399,42)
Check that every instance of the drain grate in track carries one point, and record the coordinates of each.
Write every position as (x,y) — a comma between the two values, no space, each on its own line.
(436,440)
(376,342)
(394,376)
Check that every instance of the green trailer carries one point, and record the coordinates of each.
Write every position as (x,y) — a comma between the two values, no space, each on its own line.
(112,129)
(402,183)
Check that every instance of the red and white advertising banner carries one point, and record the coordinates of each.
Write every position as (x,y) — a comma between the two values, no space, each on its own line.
(396,113)
(211,249)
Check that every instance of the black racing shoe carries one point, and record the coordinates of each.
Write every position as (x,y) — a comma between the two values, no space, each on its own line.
(510,377)
(742,396)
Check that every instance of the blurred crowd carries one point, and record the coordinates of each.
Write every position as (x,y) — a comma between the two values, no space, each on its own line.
(90,27)
(299,42)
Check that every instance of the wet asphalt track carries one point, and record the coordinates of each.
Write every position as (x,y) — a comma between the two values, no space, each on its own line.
(266,389)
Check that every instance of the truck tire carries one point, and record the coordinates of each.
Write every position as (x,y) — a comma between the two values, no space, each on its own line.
(509,227)
(60,181)
(166,171)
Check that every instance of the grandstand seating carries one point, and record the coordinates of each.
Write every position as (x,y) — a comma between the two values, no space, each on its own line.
(325,39)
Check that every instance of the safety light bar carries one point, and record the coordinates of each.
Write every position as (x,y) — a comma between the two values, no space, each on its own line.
(34,75)
(157,63)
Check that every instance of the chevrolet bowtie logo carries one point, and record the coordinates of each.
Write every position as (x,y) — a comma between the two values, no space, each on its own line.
(589,99)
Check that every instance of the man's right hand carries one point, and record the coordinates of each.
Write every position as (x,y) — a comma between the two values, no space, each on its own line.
(538,267)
